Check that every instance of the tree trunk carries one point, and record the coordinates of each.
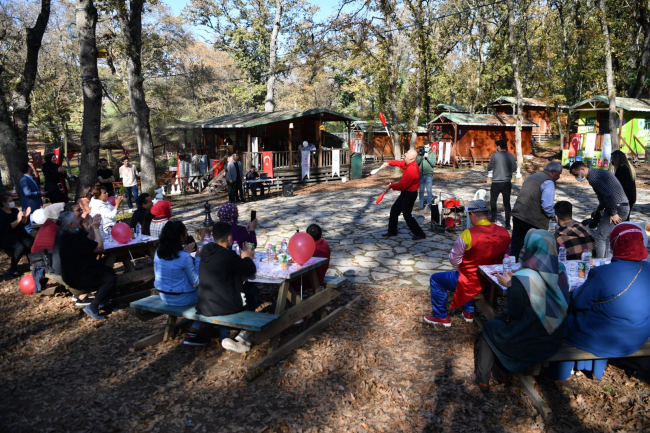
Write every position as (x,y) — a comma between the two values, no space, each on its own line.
(609,74)
(643,63)
(131,27)
(269,103)
(418,108)
(13,135)
(515,71)
(92,92)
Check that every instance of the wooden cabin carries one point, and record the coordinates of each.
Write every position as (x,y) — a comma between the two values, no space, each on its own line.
(472,136)
(593,126)
(448,108)
(280,132)
(535,110)
(375,142)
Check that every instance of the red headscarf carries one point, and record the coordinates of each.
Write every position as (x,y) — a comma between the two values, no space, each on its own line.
(626,242)
(162,209)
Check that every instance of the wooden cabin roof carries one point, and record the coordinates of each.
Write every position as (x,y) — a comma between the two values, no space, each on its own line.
(249,120)
(377,127)
(528,102)
(467,119)
(601,102)
(448,108)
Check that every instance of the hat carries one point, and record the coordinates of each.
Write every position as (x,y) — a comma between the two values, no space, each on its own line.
(52,211)
(162,209)
(304,143)
(477,206)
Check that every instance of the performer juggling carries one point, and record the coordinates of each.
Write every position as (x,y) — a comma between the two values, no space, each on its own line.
(408,187)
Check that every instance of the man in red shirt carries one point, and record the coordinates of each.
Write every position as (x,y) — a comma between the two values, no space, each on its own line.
(408,185)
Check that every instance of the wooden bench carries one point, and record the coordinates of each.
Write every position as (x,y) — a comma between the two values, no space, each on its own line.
(153,306)
(566,353)
(334,282)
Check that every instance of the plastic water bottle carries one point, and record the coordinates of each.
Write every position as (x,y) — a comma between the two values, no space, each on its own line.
(211,238)
(138,231)
(235,247)
(586,257)
(284,246)
(506,264)
(269,253)
(206,239)
(561,255)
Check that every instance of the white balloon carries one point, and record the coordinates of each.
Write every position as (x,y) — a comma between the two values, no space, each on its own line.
(38,217)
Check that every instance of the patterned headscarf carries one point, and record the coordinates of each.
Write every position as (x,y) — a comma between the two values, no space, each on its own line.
(228,213)
(627,242)
(544,278)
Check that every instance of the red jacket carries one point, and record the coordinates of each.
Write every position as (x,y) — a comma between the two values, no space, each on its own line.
(489,244)
(45,237)
(410,179)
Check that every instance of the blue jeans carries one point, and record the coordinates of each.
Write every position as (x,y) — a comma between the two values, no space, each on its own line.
(131,191)
(441,283)
(426,181)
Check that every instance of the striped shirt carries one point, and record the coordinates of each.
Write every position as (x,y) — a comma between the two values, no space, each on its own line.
(576,238)
(608,189)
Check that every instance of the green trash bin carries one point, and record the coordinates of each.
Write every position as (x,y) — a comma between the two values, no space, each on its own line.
(356,166)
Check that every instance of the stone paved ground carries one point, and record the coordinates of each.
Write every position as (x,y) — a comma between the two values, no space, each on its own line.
(353,225)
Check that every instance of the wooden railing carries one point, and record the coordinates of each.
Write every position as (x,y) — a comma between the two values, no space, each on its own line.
(645,149)
(286,159)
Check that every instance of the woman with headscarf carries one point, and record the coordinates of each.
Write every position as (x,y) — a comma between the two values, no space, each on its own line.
(609,314)
(229,213)
(55,186)
(534,326)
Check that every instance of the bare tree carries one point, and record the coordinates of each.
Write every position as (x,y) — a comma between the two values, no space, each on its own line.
(13,134)
(269,103)
(515,71)
(609,74)
(92,92)
(131,28)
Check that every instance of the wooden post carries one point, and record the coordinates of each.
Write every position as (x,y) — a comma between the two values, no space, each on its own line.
(320,142)
(620,127)
(290,148)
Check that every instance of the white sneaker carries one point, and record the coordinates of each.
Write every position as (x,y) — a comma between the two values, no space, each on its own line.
(234,346)
(244,337)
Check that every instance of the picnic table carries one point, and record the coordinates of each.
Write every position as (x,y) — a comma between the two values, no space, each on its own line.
(267,182)
(264,327)
(490,273)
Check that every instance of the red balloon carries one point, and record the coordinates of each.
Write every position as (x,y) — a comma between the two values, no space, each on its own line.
(382,118)
(111,200)
(121,233)
(301,247)
(27,284)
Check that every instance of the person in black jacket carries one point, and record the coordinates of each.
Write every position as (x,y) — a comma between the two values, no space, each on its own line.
(221,275)
(55,176)
(626,175)
(143,214)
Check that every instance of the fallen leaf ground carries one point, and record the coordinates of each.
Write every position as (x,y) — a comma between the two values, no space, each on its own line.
(377,368)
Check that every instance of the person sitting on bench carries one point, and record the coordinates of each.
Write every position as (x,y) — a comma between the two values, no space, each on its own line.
(534,327)
(229,213)
(483,243)
(221,274)
(575,237)
(15,240)
(176,276)
(79,267)
(609,313)
(254,175)
(162,212)
(99,205)
(143,214)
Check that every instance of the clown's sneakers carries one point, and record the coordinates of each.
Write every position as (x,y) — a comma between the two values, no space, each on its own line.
(436,321)
(469,317)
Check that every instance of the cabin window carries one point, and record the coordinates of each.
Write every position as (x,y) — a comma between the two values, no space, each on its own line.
(603,122)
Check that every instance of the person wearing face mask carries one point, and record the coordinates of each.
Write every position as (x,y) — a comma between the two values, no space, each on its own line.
(80,269)
(611,199)
(426,161)
(608,314)
(482,244)
(408,187)
(534,206)
(13,237)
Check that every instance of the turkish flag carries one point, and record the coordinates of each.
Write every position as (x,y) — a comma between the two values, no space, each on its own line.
(267,163)
(574,144)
